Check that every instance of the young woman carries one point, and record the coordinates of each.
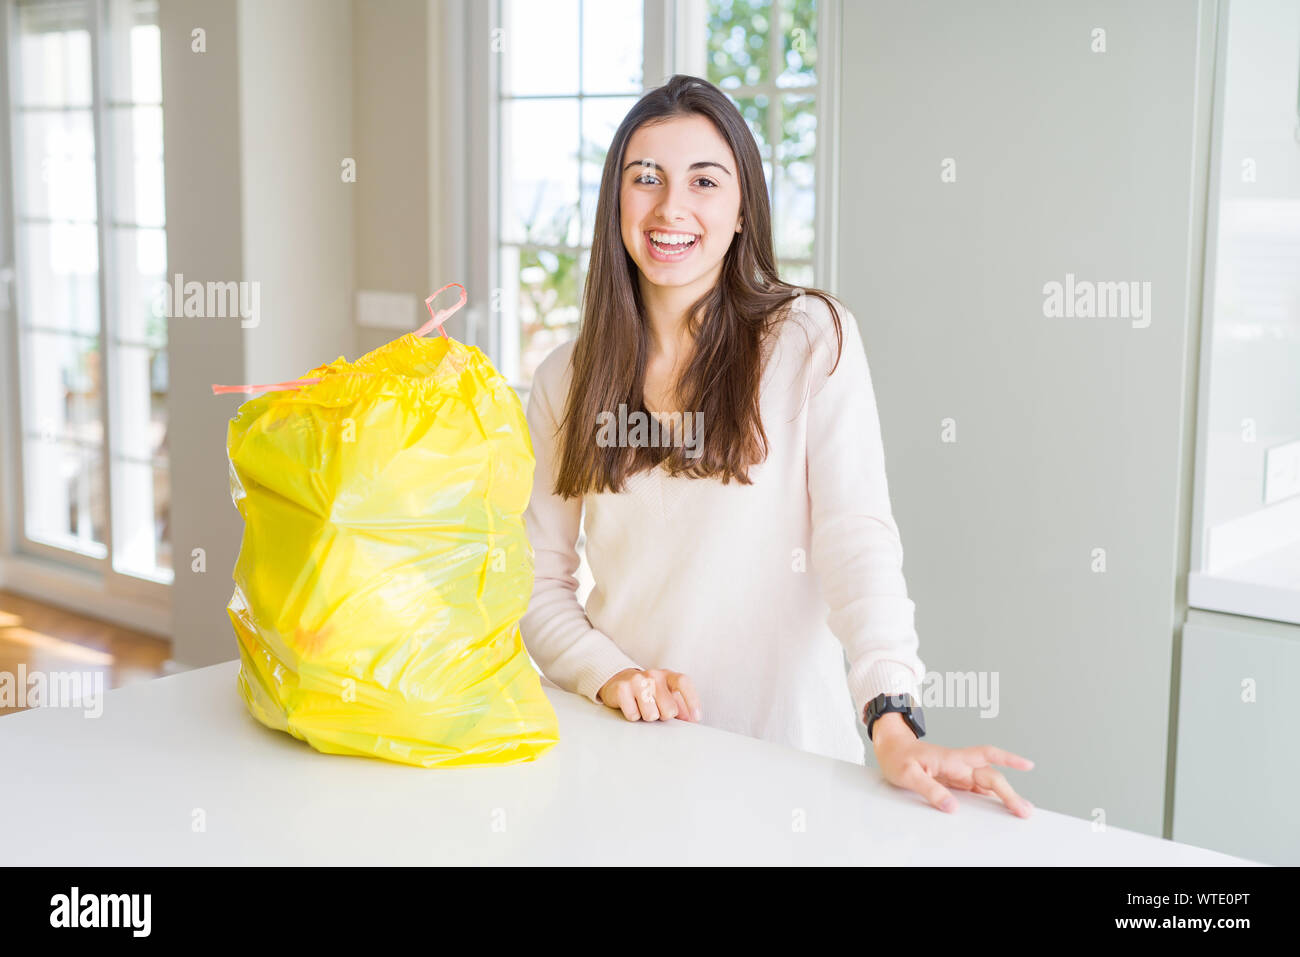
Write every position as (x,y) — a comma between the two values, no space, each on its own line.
(735,567)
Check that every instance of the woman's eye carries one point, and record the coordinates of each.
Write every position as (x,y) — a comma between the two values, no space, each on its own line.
(647,176)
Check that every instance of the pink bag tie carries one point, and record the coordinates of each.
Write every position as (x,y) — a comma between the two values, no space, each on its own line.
(435,322)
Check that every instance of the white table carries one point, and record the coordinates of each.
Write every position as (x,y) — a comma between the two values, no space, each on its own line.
(125,789)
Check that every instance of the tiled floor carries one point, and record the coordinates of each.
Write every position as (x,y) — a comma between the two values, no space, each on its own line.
(46,638)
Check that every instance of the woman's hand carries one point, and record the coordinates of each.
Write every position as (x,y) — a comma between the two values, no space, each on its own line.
(651,695)
(926,768)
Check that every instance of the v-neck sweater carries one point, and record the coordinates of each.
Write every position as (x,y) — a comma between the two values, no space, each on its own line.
(783,600)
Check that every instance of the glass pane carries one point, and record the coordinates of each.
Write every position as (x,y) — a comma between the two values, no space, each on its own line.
(798,274)
(59,278)
(53,54)
(600,119)
(63,495)
(539,141)
(61,387)
(738,43)
(794,197)
(799,42)
(146,59)
(56,169)
(137,194)
(140,259)
(540,42)
(1252,503)
(141,515)
(135,68)
(612,44)
(139,410)
(1250,518)
(543,287)
(755,111)
(137,319)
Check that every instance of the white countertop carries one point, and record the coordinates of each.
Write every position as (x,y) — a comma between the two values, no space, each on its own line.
(124,789)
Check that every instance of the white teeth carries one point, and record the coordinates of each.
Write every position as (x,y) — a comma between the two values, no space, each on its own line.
(671,239)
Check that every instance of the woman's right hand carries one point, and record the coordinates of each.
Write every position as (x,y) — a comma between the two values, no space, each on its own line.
(651,695)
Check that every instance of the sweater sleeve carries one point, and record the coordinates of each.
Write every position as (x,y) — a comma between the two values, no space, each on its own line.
(856,550)
(555,628)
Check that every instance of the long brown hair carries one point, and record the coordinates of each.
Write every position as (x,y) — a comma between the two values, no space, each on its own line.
(729,325)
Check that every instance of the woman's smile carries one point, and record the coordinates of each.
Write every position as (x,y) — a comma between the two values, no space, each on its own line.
(670,246)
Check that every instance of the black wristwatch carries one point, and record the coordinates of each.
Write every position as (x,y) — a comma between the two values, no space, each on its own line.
(903,704)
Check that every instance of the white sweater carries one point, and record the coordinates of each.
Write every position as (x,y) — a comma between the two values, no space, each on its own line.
(756,592)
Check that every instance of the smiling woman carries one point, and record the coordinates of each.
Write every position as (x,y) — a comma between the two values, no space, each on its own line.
(683,294)
(675,215)
(702,602)
(668,242)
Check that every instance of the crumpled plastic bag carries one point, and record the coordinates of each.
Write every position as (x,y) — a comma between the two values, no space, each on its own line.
(385,564)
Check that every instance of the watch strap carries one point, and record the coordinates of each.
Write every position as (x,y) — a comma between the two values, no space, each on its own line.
(903,704)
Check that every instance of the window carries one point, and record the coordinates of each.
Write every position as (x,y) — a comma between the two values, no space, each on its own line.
(571,70)
(1246,543)
(85,124)
(568,73)
(763,53)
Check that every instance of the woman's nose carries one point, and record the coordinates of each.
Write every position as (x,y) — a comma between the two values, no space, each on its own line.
(673,207)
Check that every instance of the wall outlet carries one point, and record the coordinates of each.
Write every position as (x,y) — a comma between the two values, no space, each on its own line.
(387,310)
(1282,472)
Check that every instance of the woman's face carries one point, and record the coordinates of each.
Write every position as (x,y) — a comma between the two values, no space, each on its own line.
(679,182)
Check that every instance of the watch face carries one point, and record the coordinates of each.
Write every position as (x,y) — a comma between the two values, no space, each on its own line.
(917,719)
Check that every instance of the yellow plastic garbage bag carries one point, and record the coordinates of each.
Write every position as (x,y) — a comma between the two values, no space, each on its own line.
(385,564)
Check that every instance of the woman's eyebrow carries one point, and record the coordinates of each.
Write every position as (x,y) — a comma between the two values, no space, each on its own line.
(651,164)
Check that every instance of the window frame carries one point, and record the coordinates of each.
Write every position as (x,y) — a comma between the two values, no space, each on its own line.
(64,574)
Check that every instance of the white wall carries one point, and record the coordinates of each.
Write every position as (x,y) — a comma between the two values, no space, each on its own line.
(409,100)
(295,97)
(256,128)
(1072,434)
(202,145)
